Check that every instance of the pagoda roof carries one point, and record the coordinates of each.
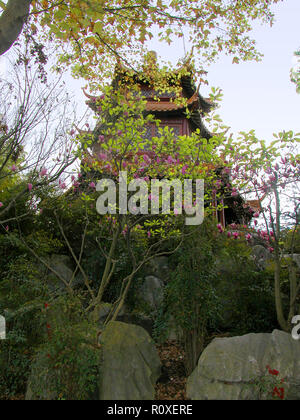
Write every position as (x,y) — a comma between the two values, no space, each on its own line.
(162,103)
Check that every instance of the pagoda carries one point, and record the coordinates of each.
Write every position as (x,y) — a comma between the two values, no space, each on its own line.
(182,109)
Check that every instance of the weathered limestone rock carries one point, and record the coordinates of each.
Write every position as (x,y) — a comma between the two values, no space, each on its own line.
(227,367)
(152,292)
(130,365)
(63,265)
(261,256)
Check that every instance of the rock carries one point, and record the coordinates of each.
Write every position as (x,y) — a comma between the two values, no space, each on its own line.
(130,363)
(227,367)
(261,256)
(152,292)
(159,267)
(100,314)
(63,265)
(294,257)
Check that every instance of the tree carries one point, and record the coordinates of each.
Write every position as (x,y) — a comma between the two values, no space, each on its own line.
(273,172)
(92,34)
(12,20)
(118,143)
(35,144)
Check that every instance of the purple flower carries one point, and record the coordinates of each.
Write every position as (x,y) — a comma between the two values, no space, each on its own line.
(102,156)
(92,185)
(13,168)
(147,160)
(184,168)
(170,160)
(29,187)
(43,172)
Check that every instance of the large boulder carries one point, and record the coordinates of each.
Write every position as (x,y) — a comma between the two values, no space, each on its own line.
(130,363)
(228,367)
(63,265)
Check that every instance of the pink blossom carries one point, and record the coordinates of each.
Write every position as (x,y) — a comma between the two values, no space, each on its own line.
(43,172)
(184,168)
(101,138)
(92,185)
(29,187)
(149,234)
(256,214)
(220,228)
(147,160)
(170,160)
(6,228)
(235,235)
(228,234)
(271,249)
(120,132)
(1,204)
(13,168)
(248,237)
(234,193)
(102,156)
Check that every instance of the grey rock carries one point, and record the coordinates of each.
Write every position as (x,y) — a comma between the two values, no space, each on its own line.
(295,258)
(130,363)
(159,267)
(62,264)
(228,366)
(152,292)
(261,256)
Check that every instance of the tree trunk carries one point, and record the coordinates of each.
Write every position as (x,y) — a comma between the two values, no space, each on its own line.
(12,21)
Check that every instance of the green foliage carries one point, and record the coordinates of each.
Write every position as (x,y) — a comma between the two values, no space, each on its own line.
(68,364)
(247,294)
(191,303)
(21,298)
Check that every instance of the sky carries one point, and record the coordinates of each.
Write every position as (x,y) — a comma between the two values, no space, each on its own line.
(260,95)
(256,96)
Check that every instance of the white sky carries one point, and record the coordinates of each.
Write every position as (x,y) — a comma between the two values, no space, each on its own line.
(260,95)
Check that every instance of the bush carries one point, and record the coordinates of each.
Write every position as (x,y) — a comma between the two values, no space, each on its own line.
(67,366)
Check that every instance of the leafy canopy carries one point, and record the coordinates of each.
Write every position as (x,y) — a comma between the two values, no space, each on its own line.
(92,34)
